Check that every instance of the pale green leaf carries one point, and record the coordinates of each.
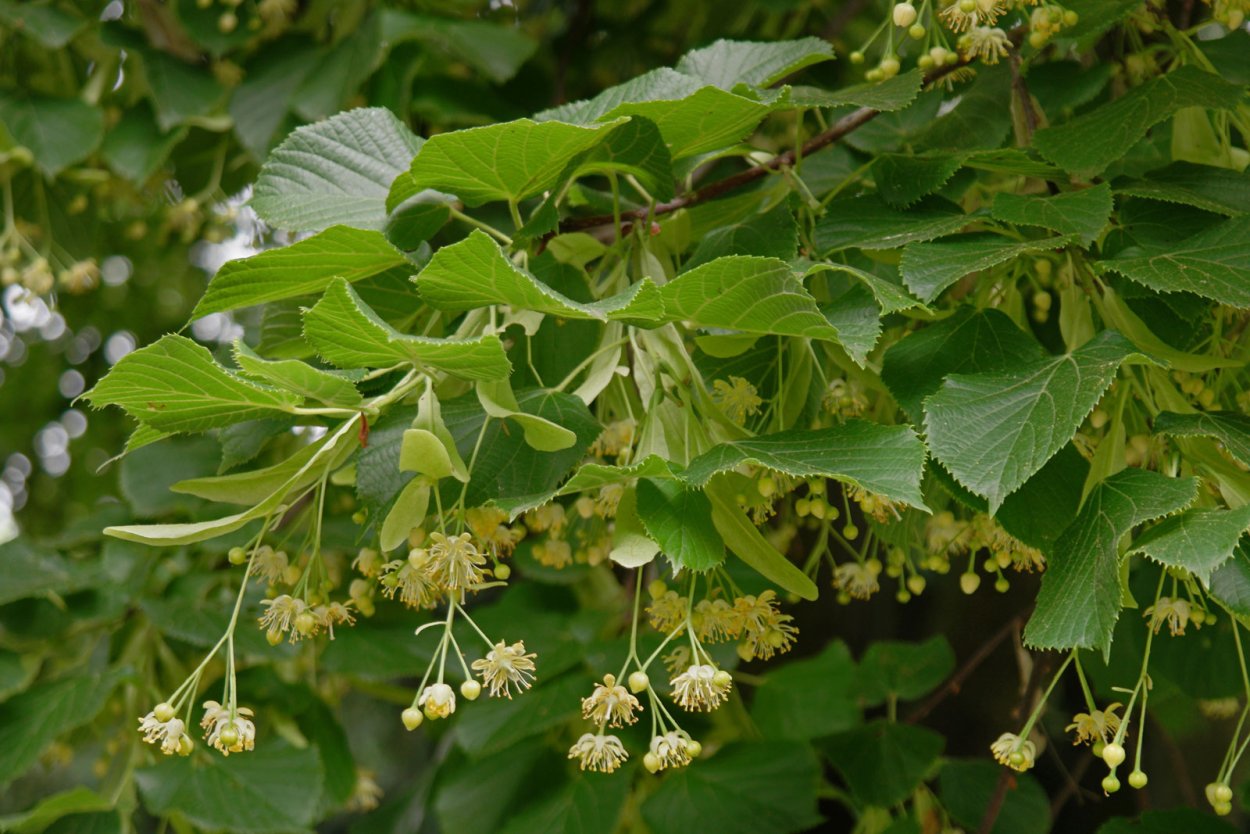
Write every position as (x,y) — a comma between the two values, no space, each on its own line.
(746,542)
(258,484)
(635,148)
(336,171)
(1089,143)
(508,161)
(930,268)
(59,132)
(303,268)
(430,419)
(1202,186)
(297,377)
(1117,314)
(994,430)
(30,571)
(886,96)
(77,800)
(1084,213)
(175,385)
(868,222)
(679,519)
(727,63)
(631,546)
(662,84)
(1230,583)
(1198,541)
(1230,428)
(970,341)
(474,272)
(422,452)
(1079,602)
(347,333)
(275,788)
(406,513)
(29,722)
(1214,264)
(887,460)
(808,698)
(540,433)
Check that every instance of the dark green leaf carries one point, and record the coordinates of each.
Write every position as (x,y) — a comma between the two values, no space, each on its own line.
(1230,428)
(30,721)
(884,761)
(904,671)
(1201,186)
(902,180)
(808,698)
(1084,213)
(726,64)
(1198,541)
(1213,264)
(968,788)
(868,222)
(59,132)
(680,521)
(929,268)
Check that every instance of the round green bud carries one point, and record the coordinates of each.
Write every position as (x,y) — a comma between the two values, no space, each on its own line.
(229,736)
(851,532)
(1110,784)
(185,745)
(1070,18)
(1038,39)
(638,682)
(163,712)
(502,572)
(857,57)
(1223,793)
(903,596)
(694,749)
(657,588)
(236,555)
(470,689)
(874,75)
(651,762)
(1137,779)
(1002,585)
(889,67)
(924,62)
(359,517)
(273,636)
(969,582)
(916,32)
(1098,747)
(412,718)
(305,623)
(916,584)
(722,678)
(967,6)
(1113,755)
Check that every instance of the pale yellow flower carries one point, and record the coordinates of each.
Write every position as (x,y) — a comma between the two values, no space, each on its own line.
(671,749)
(610,704)
(506,666)
(1098,725)
(1013,752)
(599,753)
(701,687)
(228,730)
(737,398)
(1177,613)
(438,700)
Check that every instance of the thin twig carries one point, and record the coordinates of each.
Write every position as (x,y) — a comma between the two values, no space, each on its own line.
(956,681)
(1006,779)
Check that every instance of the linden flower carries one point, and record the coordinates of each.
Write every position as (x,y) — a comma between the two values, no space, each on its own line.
(81,277)
(368,562)
(599,753)
(701,687)
(489,525)
(677,660)
(438,700)
(610,704)
(961,15)
(455,563)
(943,532)
(667,611)
(506,666)
(617,438)
(168,733)
(844,399)
(1096,725)
(766,631)
(737,398)
(547,517)
(410,581)
(280,614)
(229,730)
(715,620)
(336,613)
(608,500)
(988,44)
(1011,751)
(1175,612)
(671,749)
(553,553)
(269,564)
(856,579)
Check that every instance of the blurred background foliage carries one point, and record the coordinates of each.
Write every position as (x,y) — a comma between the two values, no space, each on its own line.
(129,133)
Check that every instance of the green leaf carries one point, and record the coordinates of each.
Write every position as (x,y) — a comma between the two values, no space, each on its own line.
(970,341)
(884,761)
(726,63)
(631,546)
(508,161)
(336,171)
(636,147)
(183,93)
(175,385)
(1039,511)
(1230,583)
(482,792)
(275,788)
(256,485)
(746,542)
(146,475)
(303,268)
(852,310)
(1214,264)
(968,788)
(1198,541)
(745,293)
(994,430)
(680,521)
(1117,314)
(904,671)
(890,297)
(887,460)
(422,452)
(1084,213)
(261,102)
(773,233)
(78,800)
(1230,428)
(707,120)
(59,132)
(52,26)
(497,723)
(1206,187)
(496,50)
(886,96)
(498,401)
(746,788)
(407,513)
(17,672)
(1079,601)
(474,273)
(297,377)
(868,222)
(31,721)
(136,146)
(347,333)
(903,179)
(583,806)
(30,571)
(1089,143)
(808,698)
(1189,820)
(929,268)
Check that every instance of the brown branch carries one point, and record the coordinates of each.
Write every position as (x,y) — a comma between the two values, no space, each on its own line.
(956,681)
(1006,781)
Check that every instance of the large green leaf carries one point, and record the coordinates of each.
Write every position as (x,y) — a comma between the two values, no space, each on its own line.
(1198,541)
(890,669)
(297,377)
(968,788)
(52,26)
(275,788)
(1189,820)
(474,272)
(136,146)
(1230,428)
(28,571)
(495,49)
(57,131)
(1202,186)
(49,810)
(884,761)
(745,788)
(750,294)
(746,542)
(508,161)
(868,222)
(636,147)
(1079,602)
(680,520)
(970,341)
(887,96)
(336,171)
(808,698)
(726,63)
(903,179)
(182,93)
(1230,583)
(1214,264)
(1090,142)
(929,268)
(30,721)
(175,385)
(583,806)
(347,333)
(773,233)
(994,430)
(303,268)
(888,460)
(1084,213)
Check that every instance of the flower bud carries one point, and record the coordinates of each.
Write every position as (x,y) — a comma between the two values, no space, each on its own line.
(969,582)
(1110,784)
(904,14)
(412,718)
(1113,755)
(651,762)
(236,555)
(1137,779)
(163,712)
(470,689)
(638,682)
(722,679)
(694,748)
(916,32)
(502,572)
